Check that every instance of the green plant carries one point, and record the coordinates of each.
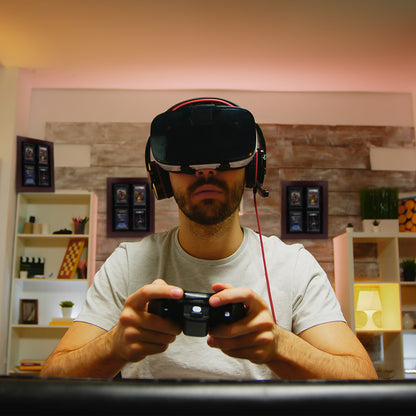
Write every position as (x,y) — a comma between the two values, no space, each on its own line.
(349,225)
(409,265)
(66,304)
(375,223)
(380,203)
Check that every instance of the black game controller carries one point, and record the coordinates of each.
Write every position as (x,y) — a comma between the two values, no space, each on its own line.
(195,314)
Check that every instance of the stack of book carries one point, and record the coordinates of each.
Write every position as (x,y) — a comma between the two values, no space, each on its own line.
(61,321)
(31,365)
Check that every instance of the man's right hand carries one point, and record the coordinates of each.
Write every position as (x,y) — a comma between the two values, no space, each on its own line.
(87,350)
(140,333)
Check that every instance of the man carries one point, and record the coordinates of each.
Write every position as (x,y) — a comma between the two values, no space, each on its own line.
(205,152)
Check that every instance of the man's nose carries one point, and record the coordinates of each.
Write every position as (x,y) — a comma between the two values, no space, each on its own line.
(205,173)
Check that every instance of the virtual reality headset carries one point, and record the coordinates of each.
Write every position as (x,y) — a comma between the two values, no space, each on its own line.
(203,136)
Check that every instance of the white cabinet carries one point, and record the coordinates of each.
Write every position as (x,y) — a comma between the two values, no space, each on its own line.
(374,298)
(35,341)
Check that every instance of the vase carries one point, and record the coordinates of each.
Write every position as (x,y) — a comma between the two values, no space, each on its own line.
(408,322)
(66,312)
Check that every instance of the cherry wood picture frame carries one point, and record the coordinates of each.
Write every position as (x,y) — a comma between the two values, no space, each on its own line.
(34,165)
(304,210)
(130,208)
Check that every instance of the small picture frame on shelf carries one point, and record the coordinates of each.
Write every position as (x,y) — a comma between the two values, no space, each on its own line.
(35,165)
(28,313)
(130,207)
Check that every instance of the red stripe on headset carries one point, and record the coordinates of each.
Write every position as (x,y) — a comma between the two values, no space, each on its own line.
(202,100)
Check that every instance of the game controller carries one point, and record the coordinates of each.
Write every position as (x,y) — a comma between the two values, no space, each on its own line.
(195,314)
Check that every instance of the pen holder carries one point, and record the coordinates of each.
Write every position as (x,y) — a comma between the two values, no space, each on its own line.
(79,228)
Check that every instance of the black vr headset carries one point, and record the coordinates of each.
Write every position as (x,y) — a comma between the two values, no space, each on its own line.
(204,133)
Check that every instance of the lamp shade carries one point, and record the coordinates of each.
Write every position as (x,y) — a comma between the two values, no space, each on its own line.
(369,300)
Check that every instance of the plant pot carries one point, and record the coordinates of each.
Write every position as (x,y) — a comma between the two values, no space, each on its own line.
(385,226)
(409,275)
(66,312)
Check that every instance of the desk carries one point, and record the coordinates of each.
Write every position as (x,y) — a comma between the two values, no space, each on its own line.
(32,396)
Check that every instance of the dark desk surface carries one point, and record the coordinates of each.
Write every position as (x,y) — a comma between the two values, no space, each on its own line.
(25,395)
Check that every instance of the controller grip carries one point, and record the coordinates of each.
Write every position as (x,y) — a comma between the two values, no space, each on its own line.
(166,308)
(228,314)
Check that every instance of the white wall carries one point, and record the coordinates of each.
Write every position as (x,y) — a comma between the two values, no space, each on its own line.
(334,108)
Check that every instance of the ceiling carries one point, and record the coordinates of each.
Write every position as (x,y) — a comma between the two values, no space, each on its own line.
(286,45)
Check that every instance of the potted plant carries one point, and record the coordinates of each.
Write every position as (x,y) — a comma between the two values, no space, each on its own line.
(66,307)
(376,226)
(349,228)
(381,204)
(409,269)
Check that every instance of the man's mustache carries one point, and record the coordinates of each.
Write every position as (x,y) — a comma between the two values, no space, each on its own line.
(208,181)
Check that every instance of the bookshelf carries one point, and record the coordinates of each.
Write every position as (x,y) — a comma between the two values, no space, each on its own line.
(367,272)
(35,341)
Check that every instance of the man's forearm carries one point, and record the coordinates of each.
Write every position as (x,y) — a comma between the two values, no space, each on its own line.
(297,359)
(93,359)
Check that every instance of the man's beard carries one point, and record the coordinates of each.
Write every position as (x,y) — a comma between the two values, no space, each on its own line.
(210,211)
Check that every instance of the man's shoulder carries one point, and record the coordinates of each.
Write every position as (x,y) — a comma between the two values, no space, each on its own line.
(271,240)
(153,240)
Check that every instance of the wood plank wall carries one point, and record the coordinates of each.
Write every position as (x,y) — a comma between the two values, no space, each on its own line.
(337,154)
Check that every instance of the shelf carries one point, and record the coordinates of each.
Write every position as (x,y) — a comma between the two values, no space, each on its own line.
(371,261)
(48,280)
(40,327)
(56,210)
(51,236)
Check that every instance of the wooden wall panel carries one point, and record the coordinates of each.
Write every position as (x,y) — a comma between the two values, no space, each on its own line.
(337,154)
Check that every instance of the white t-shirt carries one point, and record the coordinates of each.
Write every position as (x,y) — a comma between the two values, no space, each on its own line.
(301,293)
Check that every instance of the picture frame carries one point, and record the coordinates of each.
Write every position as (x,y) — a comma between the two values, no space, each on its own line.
(130,207)
(304,209)
(34,165)
(313,197)
(121,194)
(295,196)
(28,312)
(295,222)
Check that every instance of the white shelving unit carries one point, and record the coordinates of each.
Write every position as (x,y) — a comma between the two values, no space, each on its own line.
(372,260)
(37,341)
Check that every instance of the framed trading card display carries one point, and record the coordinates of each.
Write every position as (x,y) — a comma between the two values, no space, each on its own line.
(304,209)
(35,165)
(130,207)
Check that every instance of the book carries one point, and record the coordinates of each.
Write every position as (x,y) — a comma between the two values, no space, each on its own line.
(31,365)
(61,321)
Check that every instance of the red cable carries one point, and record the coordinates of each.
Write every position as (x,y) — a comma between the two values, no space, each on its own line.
(264,261)
(266,274)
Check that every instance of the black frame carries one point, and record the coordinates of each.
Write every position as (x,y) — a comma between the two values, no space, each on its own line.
(304,209)
(35,165)
(130,207)
(28,308)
